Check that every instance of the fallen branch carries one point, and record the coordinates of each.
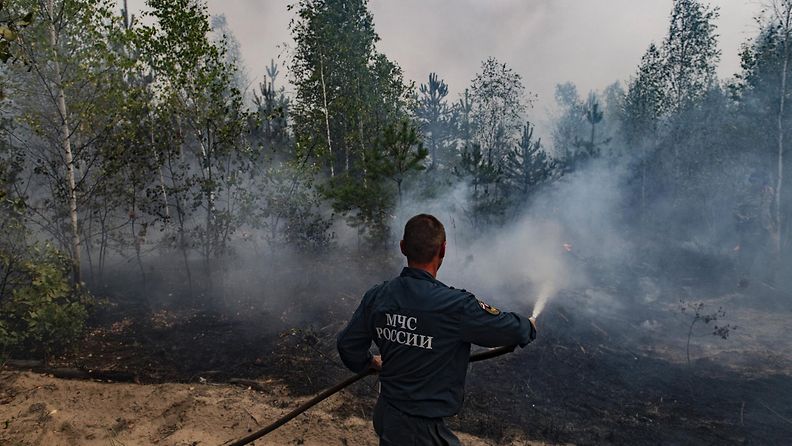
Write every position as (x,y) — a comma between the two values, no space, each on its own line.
(604,333)
(102,375)
(252,417)
(774,412)
(23,363)
(72,373)
(255,385)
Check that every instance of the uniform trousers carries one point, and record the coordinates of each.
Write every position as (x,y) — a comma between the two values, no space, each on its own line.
(396,428)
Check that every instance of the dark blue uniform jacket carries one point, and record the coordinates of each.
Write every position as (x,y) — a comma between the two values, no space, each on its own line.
(424,329)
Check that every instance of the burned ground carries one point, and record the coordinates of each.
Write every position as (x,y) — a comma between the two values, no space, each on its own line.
(592,387)
(604,377)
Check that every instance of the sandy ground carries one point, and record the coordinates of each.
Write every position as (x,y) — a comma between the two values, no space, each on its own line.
(41,410)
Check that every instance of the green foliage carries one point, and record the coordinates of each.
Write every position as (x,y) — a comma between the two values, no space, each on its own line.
(348,96)
(488,118)
(204,164)
(437,120)
(570,125)
(66,103)
(7,339)
(497,94)
(762,90)
(579,132)
(365,203)
(696,311)
(678,74)
(762,61)
(486,206)
(271,111)
(528,166)
(10,27)
(40,311)
(757,88)
(591,146)
(643,104)
(225,38)
(287,209)
(334,70)
(463,118)
(367,200)
(400,152)
(669,112)
(163,139)
(690,53)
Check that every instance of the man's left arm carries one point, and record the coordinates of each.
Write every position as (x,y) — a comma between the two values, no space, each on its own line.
(485,325)
(354,342)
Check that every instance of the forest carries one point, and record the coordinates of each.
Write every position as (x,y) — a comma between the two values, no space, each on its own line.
(165,220)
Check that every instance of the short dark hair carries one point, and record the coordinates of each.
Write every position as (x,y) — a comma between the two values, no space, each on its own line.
(423,236)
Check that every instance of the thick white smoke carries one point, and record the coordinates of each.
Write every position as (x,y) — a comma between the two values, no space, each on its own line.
(540,252)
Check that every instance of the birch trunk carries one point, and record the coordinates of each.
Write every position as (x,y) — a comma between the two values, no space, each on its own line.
(65,142)
(163,191)
(327,119)
(786,21)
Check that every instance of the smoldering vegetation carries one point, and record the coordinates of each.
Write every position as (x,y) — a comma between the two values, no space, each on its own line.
(159,211)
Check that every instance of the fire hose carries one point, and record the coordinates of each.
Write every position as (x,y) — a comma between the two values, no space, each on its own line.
(479,356)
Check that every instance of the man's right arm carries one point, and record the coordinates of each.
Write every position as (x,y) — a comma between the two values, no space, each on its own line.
(354,341)
(489,327)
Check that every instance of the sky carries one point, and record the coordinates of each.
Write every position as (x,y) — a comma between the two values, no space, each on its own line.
(591,43)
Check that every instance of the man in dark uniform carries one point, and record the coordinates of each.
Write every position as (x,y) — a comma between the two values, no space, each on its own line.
(423,330)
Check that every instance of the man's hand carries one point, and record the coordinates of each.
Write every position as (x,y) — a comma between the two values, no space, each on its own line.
(376,363)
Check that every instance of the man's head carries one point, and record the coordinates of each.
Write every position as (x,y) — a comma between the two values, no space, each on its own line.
(424,241)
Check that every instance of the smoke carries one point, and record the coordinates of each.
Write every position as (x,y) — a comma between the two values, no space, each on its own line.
(549,245)
(542,250)
(523,262)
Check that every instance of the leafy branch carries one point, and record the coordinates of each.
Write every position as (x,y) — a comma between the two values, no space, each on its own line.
(9,32)
(699,315)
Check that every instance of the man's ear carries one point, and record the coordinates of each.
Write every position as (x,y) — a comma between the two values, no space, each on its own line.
(401,247)
(441,252)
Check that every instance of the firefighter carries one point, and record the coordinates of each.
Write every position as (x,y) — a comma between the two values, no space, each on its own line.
(423,330)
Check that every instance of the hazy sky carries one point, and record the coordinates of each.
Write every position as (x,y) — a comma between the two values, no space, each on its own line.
(589,42)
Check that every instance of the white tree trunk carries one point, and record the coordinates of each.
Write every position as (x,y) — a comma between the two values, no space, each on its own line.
(163,191)
(327,120)
(65,141)
(785,16)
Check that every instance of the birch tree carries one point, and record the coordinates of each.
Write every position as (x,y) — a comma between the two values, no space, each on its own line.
(763,88)
(208,154)
(67,50)
(348,94)
(782,12)
(498,107)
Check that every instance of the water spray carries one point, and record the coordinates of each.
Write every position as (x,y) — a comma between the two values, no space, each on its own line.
(544,294)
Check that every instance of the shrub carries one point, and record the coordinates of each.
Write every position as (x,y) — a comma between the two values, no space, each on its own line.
(40,311)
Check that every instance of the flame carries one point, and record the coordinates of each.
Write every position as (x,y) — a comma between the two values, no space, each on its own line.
(567,247)
(737,248)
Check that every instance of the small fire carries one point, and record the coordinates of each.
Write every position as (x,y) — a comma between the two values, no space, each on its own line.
(737,248)
(567,247)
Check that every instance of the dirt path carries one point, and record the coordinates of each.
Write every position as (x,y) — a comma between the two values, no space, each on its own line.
(40,410)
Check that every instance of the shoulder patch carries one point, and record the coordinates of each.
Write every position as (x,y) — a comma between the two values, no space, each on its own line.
(489,308)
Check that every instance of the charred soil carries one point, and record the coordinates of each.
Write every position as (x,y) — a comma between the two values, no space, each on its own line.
(588,379)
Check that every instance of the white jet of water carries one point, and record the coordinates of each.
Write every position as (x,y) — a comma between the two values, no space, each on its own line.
(545,291)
